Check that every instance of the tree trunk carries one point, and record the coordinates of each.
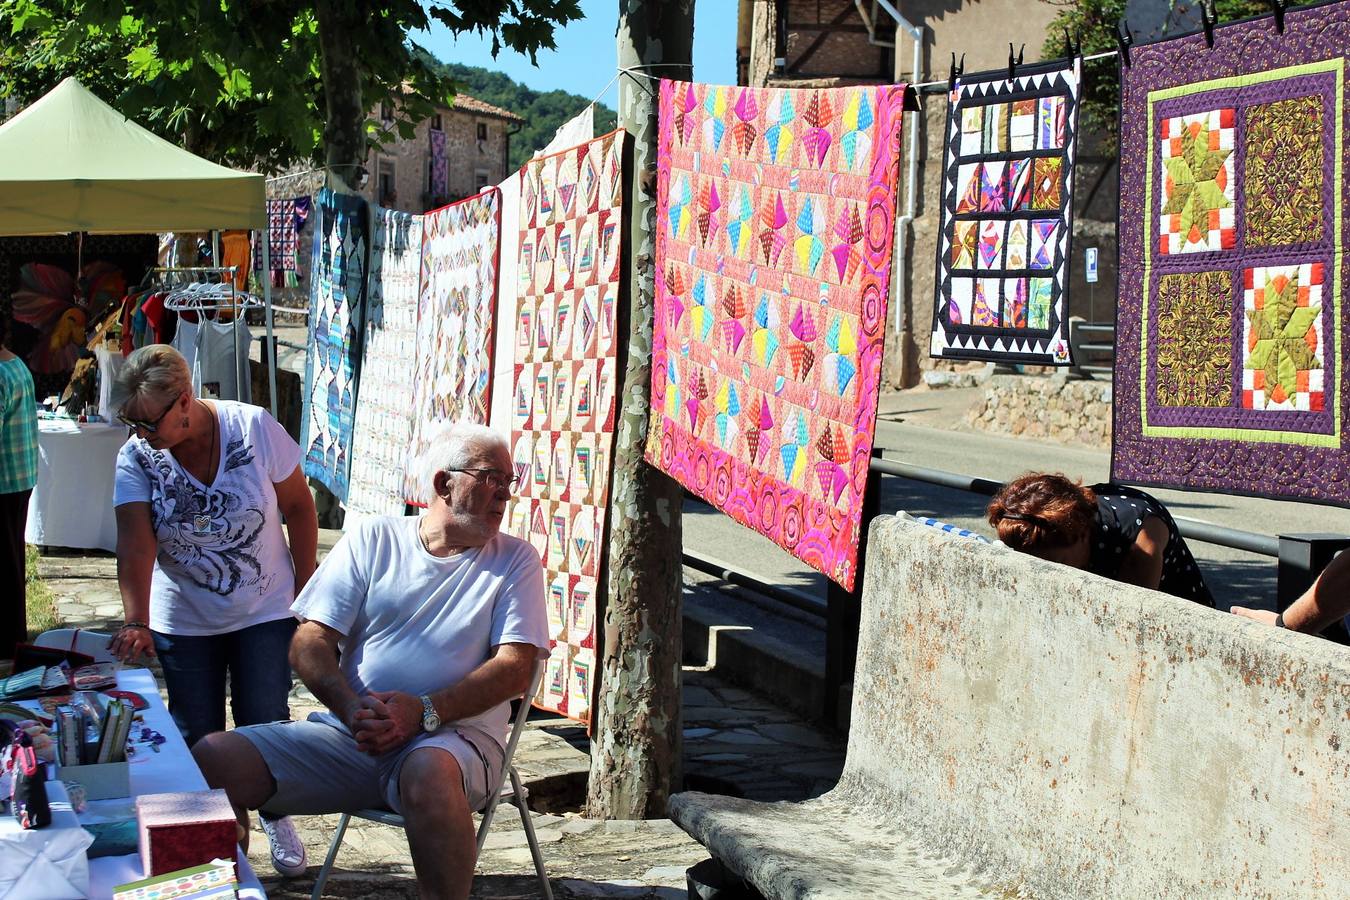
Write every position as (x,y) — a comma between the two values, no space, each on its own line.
(636,745)
(344,131)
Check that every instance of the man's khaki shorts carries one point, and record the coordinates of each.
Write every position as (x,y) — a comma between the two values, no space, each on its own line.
(319,771)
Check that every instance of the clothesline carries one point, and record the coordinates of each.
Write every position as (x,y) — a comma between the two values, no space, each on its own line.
(1089,58)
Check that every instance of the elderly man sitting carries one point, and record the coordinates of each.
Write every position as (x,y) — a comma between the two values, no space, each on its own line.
(439,620)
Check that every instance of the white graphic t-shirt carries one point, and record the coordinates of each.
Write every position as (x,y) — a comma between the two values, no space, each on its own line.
(223,562)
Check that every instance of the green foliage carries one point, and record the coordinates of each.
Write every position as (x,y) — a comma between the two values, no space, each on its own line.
(239,81)
(1093,22)
(543,111)
(41,607)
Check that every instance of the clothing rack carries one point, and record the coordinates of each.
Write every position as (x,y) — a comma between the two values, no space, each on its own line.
(192,289)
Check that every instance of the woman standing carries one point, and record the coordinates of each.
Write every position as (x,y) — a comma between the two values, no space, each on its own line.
(205,571)
(18,474)
(1116,531)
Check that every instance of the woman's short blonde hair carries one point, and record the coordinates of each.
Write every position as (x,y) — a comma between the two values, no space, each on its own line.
(155,375)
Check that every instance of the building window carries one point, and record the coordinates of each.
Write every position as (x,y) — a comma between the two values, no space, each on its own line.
(388,193)
(436,122)
(480,179)
(482,131)
(386,112)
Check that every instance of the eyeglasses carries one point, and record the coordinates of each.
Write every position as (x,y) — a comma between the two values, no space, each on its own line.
(496,478)
(151,426)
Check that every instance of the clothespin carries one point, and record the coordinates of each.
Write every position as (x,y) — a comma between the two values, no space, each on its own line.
(1208,20)
(1072,47)
(1014,63)
(1124,41)
(1279,7)
(957,70)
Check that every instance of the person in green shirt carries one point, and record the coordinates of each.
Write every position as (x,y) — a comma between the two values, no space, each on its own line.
(18,474)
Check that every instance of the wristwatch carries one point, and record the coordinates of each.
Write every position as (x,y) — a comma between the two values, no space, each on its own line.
(430,721)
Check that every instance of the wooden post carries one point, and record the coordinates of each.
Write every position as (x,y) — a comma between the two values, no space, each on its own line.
(636,742)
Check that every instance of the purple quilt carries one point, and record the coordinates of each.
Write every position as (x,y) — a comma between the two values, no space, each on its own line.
(1231,331)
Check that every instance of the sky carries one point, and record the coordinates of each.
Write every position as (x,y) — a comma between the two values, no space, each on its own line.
(586,59)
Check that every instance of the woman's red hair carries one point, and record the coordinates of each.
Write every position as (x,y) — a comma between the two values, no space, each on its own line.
(1040,510)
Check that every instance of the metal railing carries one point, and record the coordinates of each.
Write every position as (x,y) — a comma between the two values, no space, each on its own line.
(1191,529)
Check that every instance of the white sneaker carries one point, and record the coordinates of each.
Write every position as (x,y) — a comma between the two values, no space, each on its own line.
(288,853)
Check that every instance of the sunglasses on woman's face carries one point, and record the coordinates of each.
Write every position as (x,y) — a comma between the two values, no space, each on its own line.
(148,426)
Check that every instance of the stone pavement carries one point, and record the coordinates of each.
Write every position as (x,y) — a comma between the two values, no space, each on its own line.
(735,743)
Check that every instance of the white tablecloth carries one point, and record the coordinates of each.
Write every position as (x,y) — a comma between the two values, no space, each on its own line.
(71,505)
(170,770)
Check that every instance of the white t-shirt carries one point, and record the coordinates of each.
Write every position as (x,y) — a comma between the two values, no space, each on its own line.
(419,623)
(223,563)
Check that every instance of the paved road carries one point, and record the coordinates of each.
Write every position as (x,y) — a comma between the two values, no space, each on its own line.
(924,428)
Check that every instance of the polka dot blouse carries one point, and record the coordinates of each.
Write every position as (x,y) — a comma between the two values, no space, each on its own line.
(1121,513)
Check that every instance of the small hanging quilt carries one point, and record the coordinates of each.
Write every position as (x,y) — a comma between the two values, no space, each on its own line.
(384,412)
(563,407)
(285,218)
(454,323)
(440,168)
(336,316)
(1231,332)
(1007,216)
(775,219)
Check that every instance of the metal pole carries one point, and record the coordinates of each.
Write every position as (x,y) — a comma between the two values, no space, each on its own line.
(270,349)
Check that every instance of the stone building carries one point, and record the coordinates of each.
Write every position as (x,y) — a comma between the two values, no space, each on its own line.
(477,138)
(826,43)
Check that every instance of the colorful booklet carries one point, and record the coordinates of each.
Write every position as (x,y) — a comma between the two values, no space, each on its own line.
(215,879)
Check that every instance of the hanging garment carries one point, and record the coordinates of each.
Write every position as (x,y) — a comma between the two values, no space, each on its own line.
(217,372)
(109,364)
(235,251)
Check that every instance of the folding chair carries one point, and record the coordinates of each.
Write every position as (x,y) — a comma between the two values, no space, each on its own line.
(90,643)
(516,794)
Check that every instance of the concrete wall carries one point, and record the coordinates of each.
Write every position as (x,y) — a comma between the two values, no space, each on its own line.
(1090,739)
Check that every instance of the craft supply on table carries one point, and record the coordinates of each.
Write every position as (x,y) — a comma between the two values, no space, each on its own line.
(179,830)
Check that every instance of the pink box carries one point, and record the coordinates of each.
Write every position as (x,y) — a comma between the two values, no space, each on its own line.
(179,831)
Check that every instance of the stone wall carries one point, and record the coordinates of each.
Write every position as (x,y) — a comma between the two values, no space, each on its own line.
(471,163)
(1081,737)
(1046,407)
